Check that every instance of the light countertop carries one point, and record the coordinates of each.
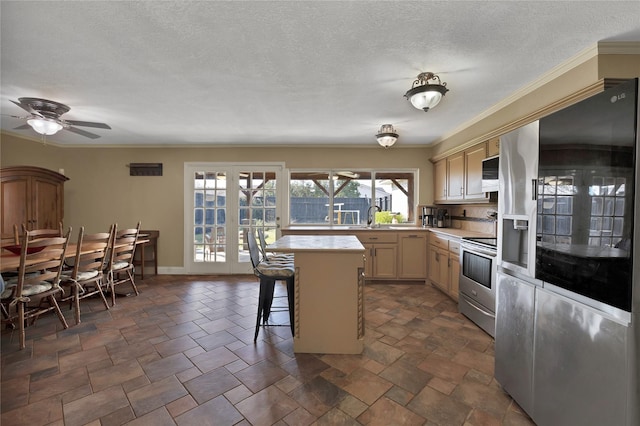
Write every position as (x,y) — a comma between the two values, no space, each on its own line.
(460,233)
(343,230)
(346,229)
(301,243)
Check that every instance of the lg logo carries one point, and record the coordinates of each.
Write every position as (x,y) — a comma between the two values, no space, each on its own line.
(616,98)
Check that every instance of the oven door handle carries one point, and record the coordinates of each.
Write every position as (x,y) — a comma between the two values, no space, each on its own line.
(478,251)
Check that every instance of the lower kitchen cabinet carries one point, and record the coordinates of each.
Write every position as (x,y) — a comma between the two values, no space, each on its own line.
(439,268)
(444,264)
(384,260)
(454,274)
(390,254)
(381,254)
(413,252)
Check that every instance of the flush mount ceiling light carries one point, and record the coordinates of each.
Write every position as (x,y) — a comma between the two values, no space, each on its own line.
(424,95)
(44,126)
(387,135)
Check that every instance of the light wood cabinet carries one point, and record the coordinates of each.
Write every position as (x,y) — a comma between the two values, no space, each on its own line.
(32,196)
(454,268)
(440,180)
(380,254)
(460,175)
(473,172)
(444,264)
(413,255)
(438,268)
(390,254)
(493,147)
(455,176)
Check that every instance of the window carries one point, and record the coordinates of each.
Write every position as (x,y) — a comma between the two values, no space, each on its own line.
(556,196)
(561,196)
(210,194)
(607,210)
(343,197)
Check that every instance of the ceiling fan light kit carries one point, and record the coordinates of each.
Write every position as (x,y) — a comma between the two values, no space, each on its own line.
(424,95)
(387,135)
(44,126)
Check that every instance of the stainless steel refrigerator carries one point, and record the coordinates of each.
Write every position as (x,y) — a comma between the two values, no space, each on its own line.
(567,338)
(515,277)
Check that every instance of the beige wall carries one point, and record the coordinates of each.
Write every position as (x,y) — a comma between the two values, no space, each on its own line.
(100,190)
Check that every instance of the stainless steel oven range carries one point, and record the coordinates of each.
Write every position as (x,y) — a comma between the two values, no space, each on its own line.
(477,298)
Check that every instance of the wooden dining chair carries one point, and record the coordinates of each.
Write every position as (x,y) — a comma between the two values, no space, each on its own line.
(33,292)
(11,239)
(43,232)
(120,267)
(86,276)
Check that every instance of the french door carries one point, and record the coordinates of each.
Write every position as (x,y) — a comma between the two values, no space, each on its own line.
(223,203)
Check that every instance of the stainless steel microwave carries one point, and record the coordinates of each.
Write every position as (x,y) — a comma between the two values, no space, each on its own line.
(490,174)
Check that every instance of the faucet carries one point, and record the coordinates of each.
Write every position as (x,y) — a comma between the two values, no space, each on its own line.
(371,218)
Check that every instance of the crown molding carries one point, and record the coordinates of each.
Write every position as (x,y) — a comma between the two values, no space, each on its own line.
(619,47)
(601,48)
(584,93)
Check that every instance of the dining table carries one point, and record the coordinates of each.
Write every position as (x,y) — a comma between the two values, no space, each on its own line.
(10,262)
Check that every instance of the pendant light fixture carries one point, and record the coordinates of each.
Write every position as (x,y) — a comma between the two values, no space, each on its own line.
(387,135)
(424,95)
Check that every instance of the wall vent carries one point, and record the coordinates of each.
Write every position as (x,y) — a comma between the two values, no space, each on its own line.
(145,169)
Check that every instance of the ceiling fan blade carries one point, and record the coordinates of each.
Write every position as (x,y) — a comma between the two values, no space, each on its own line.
(23,127)
(27,108)
(88,124)
(82,132)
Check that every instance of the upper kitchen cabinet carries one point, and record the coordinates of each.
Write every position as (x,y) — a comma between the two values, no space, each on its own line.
(32,196)
(455,178)
(458,178)
(440,180)
(493,147)
(473,172)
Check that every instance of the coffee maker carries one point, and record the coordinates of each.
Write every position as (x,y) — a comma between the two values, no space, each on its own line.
(442,218)
(429,217)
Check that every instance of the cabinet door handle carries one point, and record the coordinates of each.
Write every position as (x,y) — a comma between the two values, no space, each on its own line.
(534,189)
(413,236)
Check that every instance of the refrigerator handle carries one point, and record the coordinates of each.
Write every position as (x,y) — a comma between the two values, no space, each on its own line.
(534,189)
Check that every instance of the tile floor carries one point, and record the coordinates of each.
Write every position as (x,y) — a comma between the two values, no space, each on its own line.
(182,353)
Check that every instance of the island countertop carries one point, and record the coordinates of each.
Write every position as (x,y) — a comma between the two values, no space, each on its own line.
(301,243)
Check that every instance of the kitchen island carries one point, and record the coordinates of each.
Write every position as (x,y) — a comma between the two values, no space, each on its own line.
(328,292)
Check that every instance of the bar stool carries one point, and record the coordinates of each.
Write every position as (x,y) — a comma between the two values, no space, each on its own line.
(269,273)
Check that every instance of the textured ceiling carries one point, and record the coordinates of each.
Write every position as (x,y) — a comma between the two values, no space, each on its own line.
(284,73)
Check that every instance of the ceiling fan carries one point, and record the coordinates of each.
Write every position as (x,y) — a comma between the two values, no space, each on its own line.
(45,118)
